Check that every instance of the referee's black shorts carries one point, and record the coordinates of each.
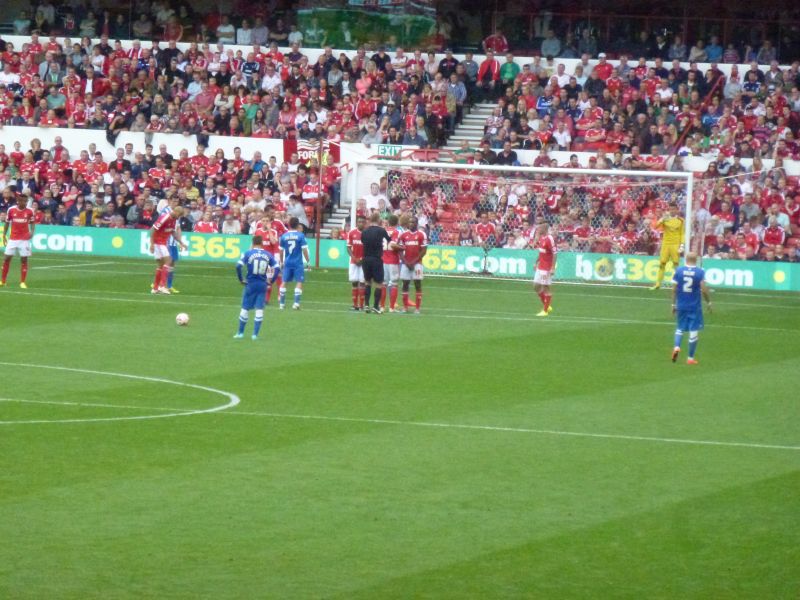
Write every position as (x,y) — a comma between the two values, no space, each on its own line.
(373,269)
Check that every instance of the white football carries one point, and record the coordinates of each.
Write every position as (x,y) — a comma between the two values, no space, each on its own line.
(182,319)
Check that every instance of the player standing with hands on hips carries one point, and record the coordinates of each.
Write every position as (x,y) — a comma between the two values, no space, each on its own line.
(257,261)
(372,239)
(294,255)
(689,286)
(545,265)
(22,222)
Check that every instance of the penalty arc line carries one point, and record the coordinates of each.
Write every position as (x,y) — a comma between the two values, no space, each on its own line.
(233,399)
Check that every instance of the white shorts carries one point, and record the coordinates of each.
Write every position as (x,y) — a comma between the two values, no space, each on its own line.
(391,274)
(407,274)
(543,277)
(21,246)
(356,274)
(161,251)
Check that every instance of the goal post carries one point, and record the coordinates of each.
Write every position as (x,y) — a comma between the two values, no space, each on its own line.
(603,220)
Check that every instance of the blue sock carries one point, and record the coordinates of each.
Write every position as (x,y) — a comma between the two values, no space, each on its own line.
(297,295)
(257,322)
(169,278)
(242,320)
(678,338)
(692,344)
(282,296)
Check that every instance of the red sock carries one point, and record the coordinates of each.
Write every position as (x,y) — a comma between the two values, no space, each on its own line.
(268,293)
(419,300)
(157,279)
(393,297)
(362,292)
(6,265)
(164,275)
(405,300)
(23,271)
(541,297)
(547,298)
(383,296)
(355,297)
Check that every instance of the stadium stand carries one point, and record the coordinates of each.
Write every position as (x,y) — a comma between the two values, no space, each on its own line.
(735,125)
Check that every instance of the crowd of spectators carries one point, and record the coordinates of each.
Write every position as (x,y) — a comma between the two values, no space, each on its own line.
(219,193)
(659,108)
(411,99)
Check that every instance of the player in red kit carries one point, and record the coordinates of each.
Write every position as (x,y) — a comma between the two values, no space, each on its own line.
(545,265)
(356,251)
(269,233)
(165,227)
(391,264)
(22,221)
(414,244)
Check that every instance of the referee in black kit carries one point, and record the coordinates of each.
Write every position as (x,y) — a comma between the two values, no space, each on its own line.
(372,241)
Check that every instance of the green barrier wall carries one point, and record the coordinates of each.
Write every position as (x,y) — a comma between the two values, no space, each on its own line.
(452,260)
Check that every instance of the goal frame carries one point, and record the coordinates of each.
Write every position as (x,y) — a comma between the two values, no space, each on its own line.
(687,176)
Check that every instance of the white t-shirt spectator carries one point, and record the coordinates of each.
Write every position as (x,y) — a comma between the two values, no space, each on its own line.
(374,200)
(562,138)
(231,226)
(226,34)
(244,37)
(8,78)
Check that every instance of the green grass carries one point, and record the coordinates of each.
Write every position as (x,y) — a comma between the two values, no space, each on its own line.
(393,456)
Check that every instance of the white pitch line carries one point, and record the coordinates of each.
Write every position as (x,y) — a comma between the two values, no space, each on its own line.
(73,265)
(434,425)
(233,399)
(490,316)
(555,432)
(146,269)
(87,404)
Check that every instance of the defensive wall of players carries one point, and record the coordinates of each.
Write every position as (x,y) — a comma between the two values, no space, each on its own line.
(443,260)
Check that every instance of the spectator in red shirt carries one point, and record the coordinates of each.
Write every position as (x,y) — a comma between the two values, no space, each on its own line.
(496,42)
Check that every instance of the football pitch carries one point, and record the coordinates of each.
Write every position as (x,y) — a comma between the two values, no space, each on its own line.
(472,451)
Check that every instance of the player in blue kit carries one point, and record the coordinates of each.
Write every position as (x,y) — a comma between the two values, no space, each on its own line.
(689,286)
(294,254)
(257,261)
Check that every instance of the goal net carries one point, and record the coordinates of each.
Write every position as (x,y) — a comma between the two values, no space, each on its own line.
(479,218)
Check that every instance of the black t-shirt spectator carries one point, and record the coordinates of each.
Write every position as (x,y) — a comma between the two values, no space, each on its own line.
(372,240)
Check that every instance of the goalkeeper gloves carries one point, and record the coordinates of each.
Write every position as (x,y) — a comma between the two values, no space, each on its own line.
(681,249)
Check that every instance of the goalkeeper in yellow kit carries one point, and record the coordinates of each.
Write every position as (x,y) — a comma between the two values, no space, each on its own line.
(671,226)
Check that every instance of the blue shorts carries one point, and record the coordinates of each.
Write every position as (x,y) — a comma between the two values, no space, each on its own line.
(174,253)
(254,295)
(294,273)
(690,320)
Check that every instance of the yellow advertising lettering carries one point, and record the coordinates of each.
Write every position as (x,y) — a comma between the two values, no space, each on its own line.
(431,259)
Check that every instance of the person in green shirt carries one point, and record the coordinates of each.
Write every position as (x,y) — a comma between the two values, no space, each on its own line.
(509,70)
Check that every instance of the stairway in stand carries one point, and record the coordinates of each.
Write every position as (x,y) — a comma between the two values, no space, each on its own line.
(471,129)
